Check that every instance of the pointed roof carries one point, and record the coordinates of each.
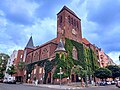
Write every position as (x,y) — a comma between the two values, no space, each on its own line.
(60,47)
(69,10)
(30,43)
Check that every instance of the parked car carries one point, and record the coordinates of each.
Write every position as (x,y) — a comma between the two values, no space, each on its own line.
(10,80)
(113,82)
(118,84)
(108,83)
(102,83)
(5,80)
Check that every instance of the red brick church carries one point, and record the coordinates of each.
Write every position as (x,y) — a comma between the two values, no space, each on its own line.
(68,26)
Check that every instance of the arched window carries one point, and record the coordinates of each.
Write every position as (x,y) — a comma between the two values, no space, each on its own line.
(29,59)
(36,56)
(44,53)
(74,53)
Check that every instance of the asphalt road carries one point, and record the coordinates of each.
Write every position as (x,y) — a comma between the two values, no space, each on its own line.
(26,87)
(112,87)
(21,87)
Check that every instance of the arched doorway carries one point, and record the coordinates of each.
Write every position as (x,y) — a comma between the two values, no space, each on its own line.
(72,77)
(49,78)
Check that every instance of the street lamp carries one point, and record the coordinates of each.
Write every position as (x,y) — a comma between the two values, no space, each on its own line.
(60,75)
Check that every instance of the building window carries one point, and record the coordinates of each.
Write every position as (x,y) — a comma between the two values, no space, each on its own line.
(36,56)
(21,57)
(43,70)
(69,19)
(77,25)
(45,50)
(72,21)
(25,72)
(35,71)
(40,70)
(60,19)
(74,53)
(29,59)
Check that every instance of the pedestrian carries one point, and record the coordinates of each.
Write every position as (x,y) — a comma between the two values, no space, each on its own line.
(36,82)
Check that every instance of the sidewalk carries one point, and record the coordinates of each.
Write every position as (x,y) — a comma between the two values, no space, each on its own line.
(65,87)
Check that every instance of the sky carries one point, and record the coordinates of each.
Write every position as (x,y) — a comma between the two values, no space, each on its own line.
(19,19)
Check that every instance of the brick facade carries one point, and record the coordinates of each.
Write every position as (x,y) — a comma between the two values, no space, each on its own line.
(68,26)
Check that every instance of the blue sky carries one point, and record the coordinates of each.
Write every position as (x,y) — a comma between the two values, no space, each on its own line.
(20,18)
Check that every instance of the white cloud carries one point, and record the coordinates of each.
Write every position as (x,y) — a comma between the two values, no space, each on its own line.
(19,11)
(42,30)
(115,56)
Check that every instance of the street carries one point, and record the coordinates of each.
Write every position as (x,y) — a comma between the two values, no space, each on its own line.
(113,87)
(21,87)
(28,87)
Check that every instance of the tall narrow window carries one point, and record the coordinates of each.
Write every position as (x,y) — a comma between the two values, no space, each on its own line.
(72,21)
(77,25)
(74,53)
(69,19)
(60,19)
(36,56)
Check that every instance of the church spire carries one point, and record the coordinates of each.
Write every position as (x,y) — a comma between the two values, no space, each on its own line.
(30,43)
(60,47)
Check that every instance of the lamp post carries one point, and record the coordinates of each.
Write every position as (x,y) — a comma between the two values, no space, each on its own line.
(60,75)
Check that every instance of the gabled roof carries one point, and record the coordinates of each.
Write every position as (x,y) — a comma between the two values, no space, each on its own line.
(70,11)
(30,43)
(51,41)
(60,47)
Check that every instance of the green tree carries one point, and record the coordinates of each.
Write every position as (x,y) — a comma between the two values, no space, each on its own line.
(1,75)
(3,62)
(80,72)
(103,73)
(115,71)
(11,70)
(21,65)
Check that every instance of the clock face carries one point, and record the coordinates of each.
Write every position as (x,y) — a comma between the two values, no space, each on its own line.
(73,31)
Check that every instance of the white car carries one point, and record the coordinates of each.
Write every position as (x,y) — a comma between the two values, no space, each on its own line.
(118,84)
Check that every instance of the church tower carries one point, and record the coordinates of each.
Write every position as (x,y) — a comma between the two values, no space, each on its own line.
(68,25)
(29,47)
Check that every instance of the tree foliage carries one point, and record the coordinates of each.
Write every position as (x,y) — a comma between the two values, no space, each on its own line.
(3,62)
(21,65)
(103,73)
(1,75)
(11,70)
(115,70)
(79,71)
